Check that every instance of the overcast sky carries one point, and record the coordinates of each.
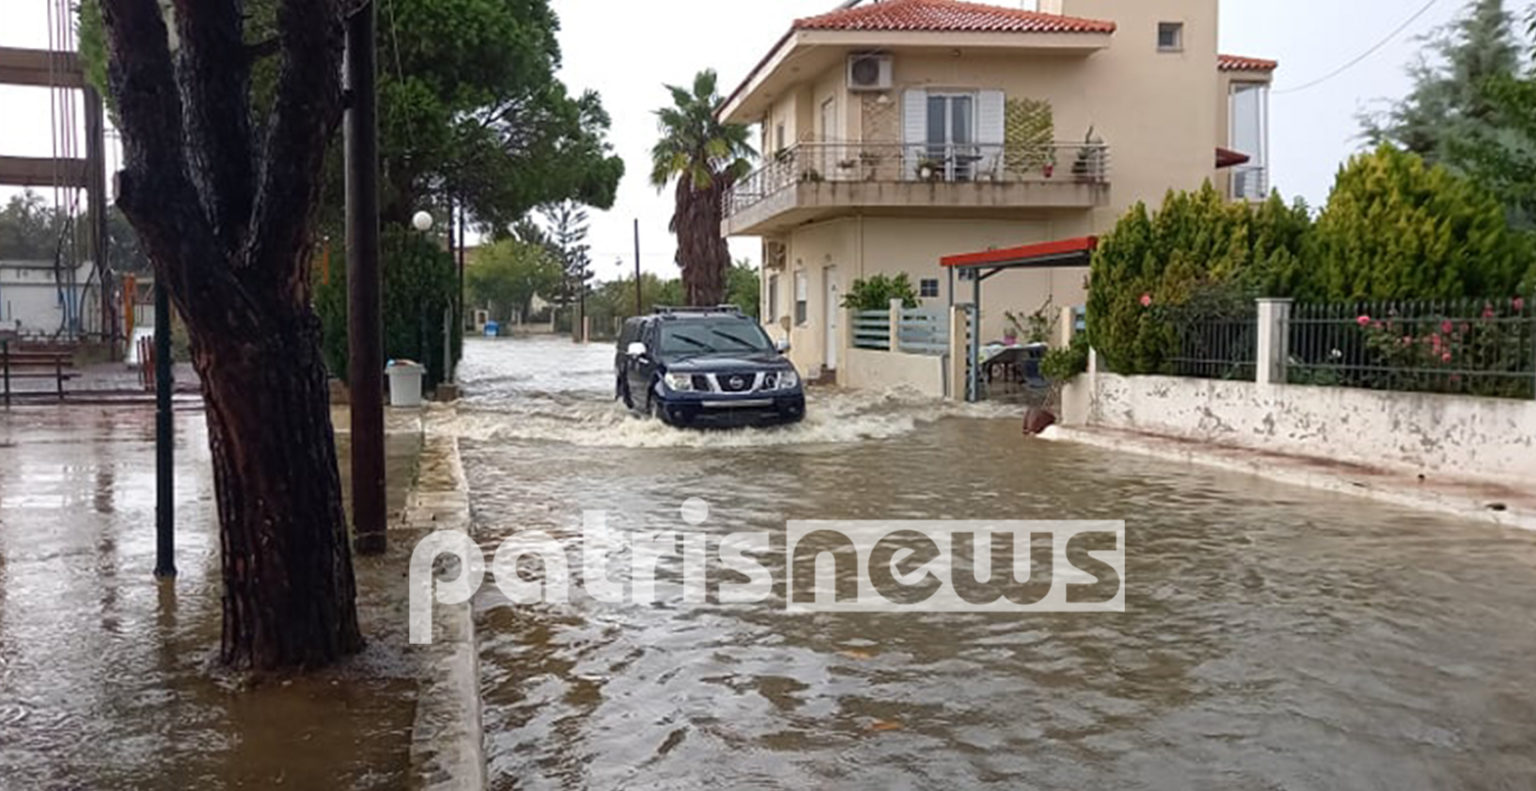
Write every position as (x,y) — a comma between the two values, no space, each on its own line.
(626,50)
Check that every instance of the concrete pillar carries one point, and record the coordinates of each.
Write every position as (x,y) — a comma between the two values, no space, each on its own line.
(1066,327)
(954,388)
(896,307)
(1274,341)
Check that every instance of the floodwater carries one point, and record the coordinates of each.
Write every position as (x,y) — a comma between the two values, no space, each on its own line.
(109,679)
(1274,637)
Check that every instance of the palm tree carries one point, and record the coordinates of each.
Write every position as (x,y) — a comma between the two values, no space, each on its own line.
(706,157)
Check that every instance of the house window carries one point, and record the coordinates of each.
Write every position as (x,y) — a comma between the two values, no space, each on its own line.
(773,298)
(1248,110)
(802,295)
(928,288)
(1170,36)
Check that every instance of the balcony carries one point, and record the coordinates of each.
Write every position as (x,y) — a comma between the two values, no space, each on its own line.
(813,181)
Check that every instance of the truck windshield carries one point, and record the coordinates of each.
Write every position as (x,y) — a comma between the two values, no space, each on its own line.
(713,336)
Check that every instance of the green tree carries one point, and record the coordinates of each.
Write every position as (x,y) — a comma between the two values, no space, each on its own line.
(509,273)
(420,283)
(706,158)
(469,109)
(1470,108)
(743,288)
(1398,228)
(1450,96)
(29,228)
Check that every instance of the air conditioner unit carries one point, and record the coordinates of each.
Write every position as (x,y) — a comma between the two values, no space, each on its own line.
(869,72)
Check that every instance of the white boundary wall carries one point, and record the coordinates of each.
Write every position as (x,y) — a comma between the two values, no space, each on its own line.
(1463,437)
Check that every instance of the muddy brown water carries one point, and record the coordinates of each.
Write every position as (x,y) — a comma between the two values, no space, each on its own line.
(1274,637)
(108,679)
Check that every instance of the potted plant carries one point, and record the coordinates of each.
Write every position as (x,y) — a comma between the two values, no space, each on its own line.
(1089,166)
(929,169)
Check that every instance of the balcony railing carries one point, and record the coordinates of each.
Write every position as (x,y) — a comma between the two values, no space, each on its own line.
(1046,163)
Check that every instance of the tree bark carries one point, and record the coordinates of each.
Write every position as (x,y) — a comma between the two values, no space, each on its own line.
(229,232)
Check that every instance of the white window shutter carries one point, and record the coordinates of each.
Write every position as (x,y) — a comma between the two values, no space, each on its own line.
(990,112)
(914,127)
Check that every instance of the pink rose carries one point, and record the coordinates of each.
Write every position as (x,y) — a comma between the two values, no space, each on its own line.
(1446,327)
(1488,310)
(1363,320)
(1518,304)
(1146,300)
(1445,358)
(1407,340)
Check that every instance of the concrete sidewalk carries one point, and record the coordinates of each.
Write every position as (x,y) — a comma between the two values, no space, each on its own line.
(1488,502)
(109,677)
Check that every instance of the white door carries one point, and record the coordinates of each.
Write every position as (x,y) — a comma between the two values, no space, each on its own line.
(834,322)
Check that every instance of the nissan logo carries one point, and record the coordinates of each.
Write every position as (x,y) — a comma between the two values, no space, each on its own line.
(737,382)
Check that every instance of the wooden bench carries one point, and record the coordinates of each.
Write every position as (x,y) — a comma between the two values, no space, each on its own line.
(20,363)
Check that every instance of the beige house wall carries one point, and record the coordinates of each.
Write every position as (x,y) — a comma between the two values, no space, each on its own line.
(863,246)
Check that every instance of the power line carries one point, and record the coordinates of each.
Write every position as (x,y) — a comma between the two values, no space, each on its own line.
(1362,56)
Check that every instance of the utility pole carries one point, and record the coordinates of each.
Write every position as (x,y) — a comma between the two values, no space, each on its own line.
(165,484)
(365,327)
(639,301)
(458,313)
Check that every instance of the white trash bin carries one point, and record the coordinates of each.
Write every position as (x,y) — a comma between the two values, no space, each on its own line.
(404,383)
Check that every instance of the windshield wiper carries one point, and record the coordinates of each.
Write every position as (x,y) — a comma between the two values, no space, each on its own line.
(695,341)
(738,339)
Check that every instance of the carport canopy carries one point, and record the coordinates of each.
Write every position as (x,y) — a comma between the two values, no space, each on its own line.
(1077,251)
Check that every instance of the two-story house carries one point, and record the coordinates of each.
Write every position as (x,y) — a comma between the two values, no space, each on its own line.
(897,132)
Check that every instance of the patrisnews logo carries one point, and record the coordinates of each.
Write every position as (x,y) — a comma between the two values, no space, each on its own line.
(819,566)
(955,566)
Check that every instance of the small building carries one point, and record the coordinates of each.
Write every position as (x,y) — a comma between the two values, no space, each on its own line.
(899,132)
(39,299)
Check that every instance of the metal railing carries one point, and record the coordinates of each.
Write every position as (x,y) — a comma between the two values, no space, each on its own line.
(872,329)
(1250,182)
(818,162)
(1484,347)
(1217,345)
(923,331)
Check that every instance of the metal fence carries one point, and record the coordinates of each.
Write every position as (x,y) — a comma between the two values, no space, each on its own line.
(872,329)
(1219,345)
(923,331)
(1483,347)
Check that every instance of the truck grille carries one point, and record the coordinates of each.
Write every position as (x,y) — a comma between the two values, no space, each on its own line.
(736,383)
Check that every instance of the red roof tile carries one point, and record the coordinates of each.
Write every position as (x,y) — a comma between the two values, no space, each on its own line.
(949,16)
(1240,63)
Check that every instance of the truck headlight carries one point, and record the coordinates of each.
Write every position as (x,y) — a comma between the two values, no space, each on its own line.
(679,382)
(788,380)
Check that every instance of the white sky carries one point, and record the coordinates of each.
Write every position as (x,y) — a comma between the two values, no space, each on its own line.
(627,49)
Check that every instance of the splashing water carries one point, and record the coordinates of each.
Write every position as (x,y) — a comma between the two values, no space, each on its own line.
(549,389)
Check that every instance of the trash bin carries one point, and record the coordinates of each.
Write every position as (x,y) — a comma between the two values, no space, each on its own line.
(404,382)
(492,329)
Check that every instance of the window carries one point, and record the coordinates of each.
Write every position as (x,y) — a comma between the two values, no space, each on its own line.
(1249,134)
(773,298)
(802,292)
(1170,36)
(928,288)
(778,138)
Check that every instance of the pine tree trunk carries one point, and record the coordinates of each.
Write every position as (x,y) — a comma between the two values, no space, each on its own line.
(288,581)
(226,213)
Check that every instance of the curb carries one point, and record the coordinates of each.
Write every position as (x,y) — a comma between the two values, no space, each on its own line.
(447,735)
(1464,500)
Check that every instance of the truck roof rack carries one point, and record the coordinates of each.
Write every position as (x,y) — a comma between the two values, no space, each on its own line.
(665,310)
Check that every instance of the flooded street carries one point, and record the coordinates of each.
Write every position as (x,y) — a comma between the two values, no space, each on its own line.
(1274,637)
